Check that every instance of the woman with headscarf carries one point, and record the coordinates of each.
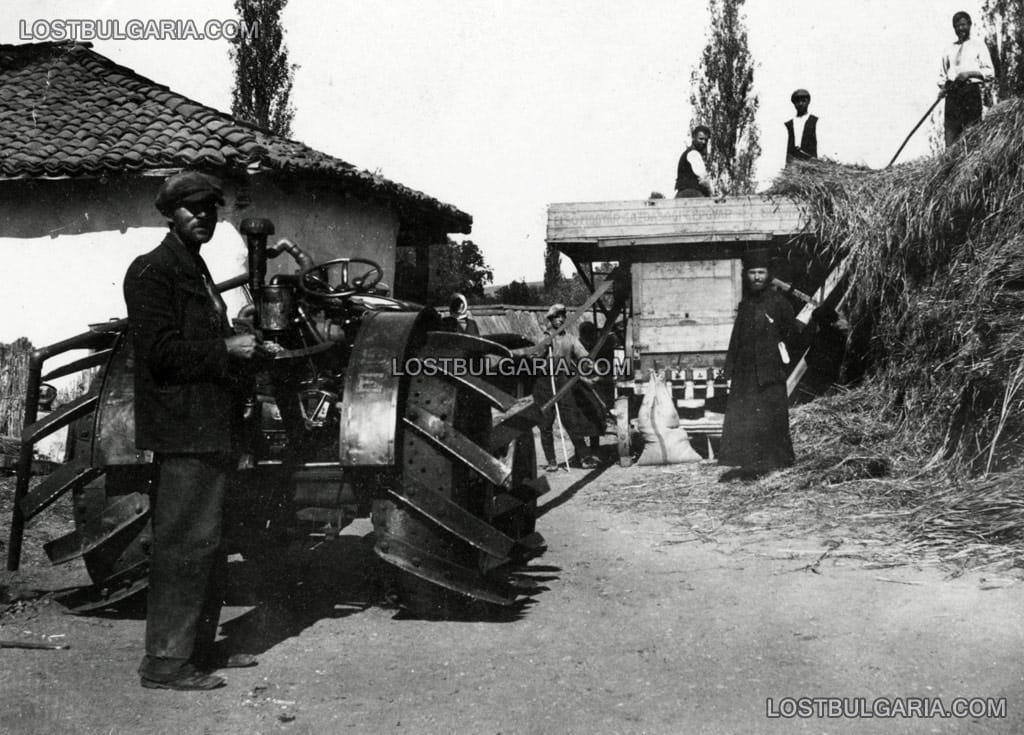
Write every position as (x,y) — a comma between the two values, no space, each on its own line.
(459,319)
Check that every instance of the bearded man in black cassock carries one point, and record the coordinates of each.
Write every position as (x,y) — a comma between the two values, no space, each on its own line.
(755,436)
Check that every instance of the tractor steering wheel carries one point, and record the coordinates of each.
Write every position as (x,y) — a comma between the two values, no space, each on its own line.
(313,279)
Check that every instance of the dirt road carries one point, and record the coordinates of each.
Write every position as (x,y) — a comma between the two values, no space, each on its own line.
(646,627)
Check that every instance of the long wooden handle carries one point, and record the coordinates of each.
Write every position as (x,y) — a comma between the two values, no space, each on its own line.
(919,124)
(34,645)
(788,288)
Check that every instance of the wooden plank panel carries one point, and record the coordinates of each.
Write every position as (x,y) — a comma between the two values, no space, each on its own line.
(691,303)
(697,237)
(697,290)
(674,321)
(690,338)
(689,269)
(693,218)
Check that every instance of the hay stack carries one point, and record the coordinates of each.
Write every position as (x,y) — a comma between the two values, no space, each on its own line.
(936,253)
(935,249)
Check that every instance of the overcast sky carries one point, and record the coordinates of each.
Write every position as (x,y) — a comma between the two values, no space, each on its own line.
(502,107)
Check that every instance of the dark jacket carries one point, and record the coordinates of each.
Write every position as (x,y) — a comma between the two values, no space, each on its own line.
(808,147)
(466,326)
(686,178)
(762,321)
(186,398)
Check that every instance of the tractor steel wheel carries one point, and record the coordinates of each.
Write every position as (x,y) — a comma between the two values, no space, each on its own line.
(120,559)
(112,536)
(460,512)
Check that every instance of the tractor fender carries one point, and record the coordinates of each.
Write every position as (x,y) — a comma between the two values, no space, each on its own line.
(373,379)
(113,425)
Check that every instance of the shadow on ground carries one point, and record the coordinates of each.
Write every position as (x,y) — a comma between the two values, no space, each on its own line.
(566,495)
(291,589)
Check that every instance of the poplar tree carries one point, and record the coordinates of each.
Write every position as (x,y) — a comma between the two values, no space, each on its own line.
(263,76)
(722,97)
(552,268)
(1005,22)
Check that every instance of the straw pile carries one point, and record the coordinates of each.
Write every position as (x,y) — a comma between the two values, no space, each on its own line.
(935,253)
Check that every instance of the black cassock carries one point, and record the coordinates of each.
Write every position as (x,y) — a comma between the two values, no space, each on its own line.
(756,430)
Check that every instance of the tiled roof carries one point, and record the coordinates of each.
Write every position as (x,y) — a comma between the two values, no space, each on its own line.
(67,111)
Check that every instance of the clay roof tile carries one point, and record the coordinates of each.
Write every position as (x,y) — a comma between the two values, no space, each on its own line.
(66,110)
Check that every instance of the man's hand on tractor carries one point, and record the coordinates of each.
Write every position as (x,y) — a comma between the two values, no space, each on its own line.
(245,346)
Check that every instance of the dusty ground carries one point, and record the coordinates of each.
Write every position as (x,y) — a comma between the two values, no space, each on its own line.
(662,615)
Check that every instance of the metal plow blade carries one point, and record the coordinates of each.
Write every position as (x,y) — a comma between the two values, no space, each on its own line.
(458,445)
(55,485)
(123,513)
(89,599)
(442,572)
(518,419)
(459,522)
(468,343)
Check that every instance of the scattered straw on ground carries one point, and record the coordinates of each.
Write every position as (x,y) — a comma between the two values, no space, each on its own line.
(858,488)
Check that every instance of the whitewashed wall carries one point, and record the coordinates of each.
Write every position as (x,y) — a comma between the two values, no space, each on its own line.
(65,245)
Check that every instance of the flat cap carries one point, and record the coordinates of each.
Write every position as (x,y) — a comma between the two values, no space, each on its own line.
(188,187)
(555,310)
(799,93)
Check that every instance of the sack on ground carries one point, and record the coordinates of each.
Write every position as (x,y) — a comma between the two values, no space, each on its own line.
(665,442)
(658,409)
(669,446)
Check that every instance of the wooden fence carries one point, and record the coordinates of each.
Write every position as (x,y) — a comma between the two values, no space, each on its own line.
(13,378)
(528,321)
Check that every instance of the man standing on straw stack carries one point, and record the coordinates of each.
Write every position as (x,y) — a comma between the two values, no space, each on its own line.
(692,178)
(802,130)
(966,66)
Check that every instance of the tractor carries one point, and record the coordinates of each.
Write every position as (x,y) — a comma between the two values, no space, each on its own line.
(441,459)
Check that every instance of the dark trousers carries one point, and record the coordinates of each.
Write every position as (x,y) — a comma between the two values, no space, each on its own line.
(547,439)
(188,565)
(963,108)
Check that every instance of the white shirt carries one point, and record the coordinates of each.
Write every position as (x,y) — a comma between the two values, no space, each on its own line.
(798,129)
(696,161)
(971,55)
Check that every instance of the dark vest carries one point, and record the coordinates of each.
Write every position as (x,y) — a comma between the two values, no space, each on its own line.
(685,177)
(808,142)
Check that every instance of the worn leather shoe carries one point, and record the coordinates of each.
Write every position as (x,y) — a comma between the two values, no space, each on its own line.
(221,659)
(187,680)
(234,661)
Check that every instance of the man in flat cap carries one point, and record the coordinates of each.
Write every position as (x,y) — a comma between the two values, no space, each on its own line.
(966,65)
(187,412)
(802,130)
(692,178)
(755,435)
(578,411)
